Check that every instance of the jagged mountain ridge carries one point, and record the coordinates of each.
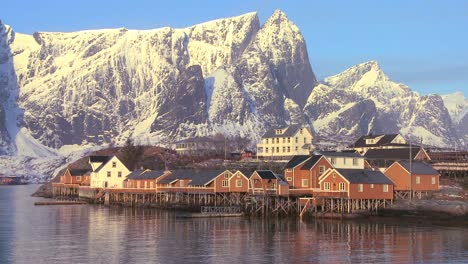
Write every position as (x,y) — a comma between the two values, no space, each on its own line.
(230,75)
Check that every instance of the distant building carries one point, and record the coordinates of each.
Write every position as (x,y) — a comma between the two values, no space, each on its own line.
(383,158)
(76,176)
(199,146)
(285,142)
(388,141)
(107,172)
(423,176)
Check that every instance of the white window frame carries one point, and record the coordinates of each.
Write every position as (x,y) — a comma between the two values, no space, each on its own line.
(321,169)
(326,186)
(78,178)
(418,179)
(119,174)
(289,178)
(288,170)
(372,186)
(333,160)
(225,183)
(360,187)
(109,174)
(433,180)
(341,186)
(385,188)
(305,183)
(114,164)
(239,183)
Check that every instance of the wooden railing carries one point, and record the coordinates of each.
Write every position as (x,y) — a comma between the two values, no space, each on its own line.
(328,193)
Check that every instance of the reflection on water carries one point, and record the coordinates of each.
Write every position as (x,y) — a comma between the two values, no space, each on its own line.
(97,234)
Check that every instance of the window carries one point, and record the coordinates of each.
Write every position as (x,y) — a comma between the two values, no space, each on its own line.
(300,131)
(289,140)
(226,175)
(152,185)
(433,180)
(277,149)
(78,178)
(333,160)
(418,179)
(327,186)
(305,182)
(138,184)
(355,162)
(284,149)
(297,140)
(119,174)
(289,178)
(277,140)
(321,170)
(273,150)
(114,164)
(305,140)
(372,186)
(297,148)
(289,170)
(267,140)
(266,150)
(273,185)
(108,174)
(342,186)
(360,188)
(289,149)
(225,183)
(385,188)
(344,161)
(238,183)
(284,140)
(334,175)
(182,183)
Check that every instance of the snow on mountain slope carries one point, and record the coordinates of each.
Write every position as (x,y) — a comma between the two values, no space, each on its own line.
(92,88)
(384,107)
(457,105)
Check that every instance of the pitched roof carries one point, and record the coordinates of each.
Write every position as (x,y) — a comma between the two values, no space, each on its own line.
(392,154)
(419,168)
(311,162)
(364,176)
(341,154)
(78,172)
(361,142)
(296,160)
(290,131)
(102,159)
(247,173)
(198,177)
(135,174)
(266,174)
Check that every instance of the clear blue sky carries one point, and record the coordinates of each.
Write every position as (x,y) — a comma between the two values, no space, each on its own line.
(423,44)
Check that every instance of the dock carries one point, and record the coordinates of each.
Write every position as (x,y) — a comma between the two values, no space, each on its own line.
(60,203)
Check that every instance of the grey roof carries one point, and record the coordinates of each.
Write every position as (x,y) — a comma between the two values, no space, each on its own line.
(247,173)
(392,154)
(200,140)
(134,174)
(102,159)
(341,154)
(145,174)
(198,177)
(78,172)
(296,160)
(290,131)
(364,176)
(311,162)
(361,142)
(419,168)
(266,174)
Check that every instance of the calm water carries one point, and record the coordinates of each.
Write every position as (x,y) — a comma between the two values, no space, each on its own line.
(96,234)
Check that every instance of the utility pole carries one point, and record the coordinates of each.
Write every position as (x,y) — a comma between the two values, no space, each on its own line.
(410,172)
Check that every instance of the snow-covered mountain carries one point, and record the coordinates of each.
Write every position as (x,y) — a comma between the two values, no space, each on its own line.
(362,100)
(63,91)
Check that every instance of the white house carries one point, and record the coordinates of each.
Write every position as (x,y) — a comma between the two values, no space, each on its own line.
(285,142)
(388,141)
(344,160)
(107,172)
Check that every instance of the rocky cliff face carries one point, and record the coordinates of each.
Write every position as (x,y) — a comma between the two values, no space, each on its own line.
(231,75)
